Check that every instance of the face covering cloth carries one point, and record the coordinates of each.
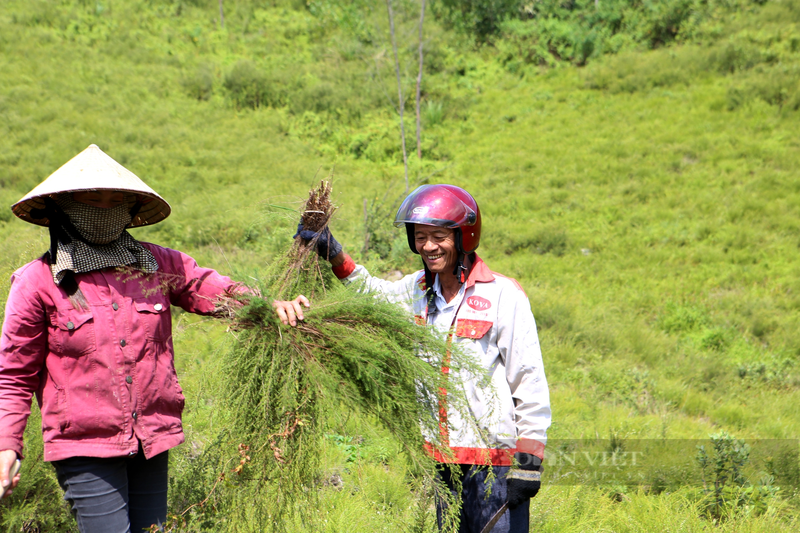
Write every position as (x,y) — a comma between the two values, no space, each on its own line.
(102,241)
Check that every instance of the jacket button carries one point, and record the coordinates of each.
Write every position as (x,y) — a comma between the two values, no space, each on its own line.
(129,379)
(70,325)
(158,307)
(134,415)
(114,306)
(122,343)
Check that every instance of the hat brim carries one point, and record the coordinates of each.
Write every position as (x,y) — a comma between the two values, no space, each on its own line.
(154,208)
(93,170)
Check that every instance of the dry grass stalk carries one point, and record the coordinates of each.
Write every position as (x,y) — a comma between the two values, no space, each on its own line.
(318,209)
(302,257)
(315,217)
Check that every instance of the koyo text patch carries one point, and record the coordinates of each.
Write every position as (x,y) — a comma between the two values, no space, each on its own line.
(478,303)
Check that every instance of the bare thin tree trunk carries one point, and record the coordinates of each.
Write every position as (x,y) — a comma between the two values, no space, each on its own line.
(399,89)
(221,15)
(419,79)
(366,228)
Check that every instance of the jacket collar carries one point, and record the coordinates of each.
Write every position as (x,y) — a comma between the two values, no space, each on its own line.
(479,273)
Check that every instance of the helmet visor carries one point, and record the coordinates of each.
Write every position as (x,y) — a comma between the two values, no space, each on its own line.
(435,206)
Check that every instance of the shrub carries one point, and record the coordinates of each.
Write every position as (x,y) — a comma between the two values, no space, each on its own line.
(320,97)
(714,339)
(200,84)
(478,18)
(546,41)
(548,31)
(632,72)
(724,467)
(782,464)
(682,318)
(775,373)
(379,233)
(248,86)
(433,113)
(778,86)
(658,23)
(734,56)
(726,489)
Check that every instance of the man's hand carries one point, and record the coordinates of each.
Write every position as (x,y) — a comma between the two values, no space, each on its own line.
(290,312)
(524,480)
(9,472)
(327,246)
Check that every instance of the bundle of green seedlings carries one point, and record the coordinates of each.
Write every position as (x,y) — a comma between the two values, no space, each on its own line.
(354,352)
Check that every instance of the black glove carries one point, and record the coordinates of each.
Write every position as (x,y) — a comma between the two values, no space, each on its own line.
(524,480)
(327,246)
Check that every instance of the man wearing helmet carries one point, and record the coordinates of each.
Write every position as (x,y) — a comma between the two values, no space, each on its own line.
(488,316)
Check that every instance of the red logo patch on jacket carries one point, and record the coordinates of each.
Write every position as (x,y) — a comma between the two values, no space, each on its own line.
(478,303)
(472,329)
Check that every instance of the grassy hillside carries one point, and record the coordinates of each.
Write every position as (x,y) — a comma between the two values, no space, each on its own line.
(646,202)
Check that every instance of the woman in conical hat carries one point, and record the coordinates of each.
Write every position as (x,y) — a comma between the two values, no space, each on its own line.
(88,329)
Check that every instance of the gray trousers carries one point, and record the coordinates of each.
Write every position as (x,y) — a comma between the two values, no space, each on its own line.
(477,507)
(117,495)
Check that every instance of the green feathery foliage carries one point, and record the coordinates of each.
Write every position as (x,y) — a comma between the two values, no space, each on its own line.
(354,351)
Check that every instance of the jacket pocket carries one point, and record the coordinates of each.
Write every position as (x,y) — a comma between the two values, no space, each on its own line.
(180,400)
(472,329)
(54,408)
(63,408)
(169,396)
(72,333)
(154,316)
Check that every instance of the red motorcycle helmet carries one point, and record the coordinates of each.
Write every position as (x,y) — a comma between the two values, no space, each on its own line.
(446,206)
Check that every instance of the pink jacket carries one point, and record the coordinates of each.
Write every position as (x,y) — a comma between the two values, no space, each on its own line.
(103,377)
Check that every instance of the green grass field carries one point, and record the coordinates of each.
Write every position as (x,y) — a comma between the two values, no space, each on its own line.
(647,202)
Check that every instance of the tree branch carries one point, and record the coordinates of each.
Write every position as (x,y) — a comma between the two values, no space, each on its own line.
(399,89)
(419,79)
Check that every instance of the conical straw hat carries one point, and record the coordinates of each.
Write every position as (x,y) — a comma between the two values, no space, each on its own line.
(92,169)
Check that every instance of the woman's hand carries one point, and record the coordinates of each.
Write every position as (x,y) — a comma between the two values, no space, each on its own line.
(9,475)
(291,312)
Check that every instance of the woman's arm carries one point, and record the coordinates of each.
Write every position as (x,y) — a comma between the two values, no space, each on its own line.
(197,289)
(23,347)
(9,472)
(193,288)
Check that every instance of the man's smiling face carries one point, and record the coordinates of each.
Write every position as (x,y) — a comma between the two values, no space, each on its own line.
(437,246)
